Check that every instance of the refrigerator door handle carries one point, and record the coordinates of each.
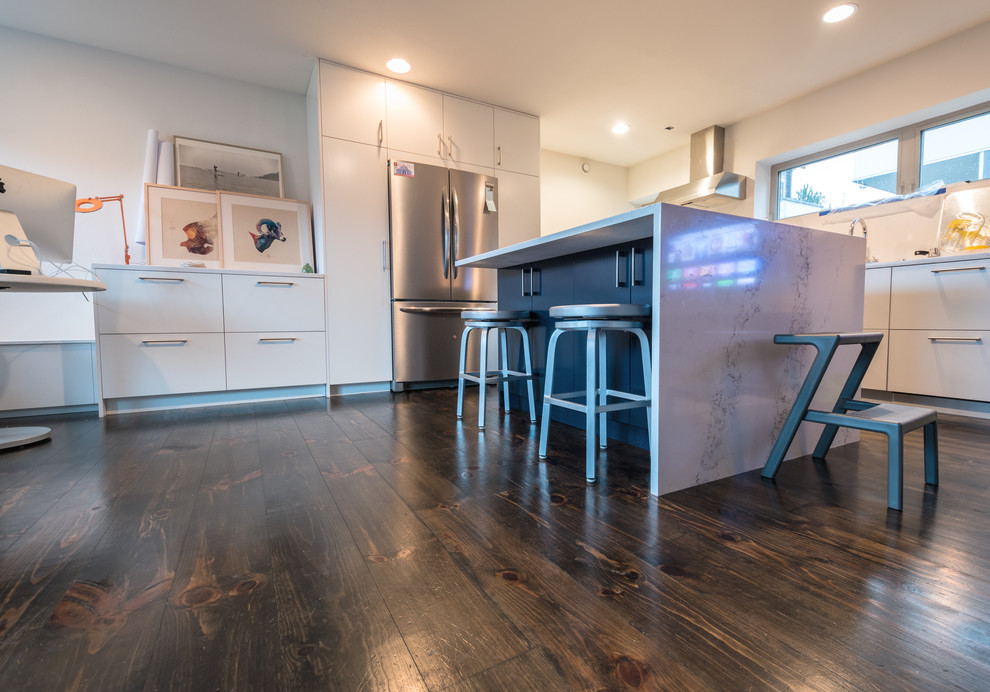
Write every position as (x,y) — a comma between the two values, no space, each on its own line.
(445,231)
(457,229)
(434,311)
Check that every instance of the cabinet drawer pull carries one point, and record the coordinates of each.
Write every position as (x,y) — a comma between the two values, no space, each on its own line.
(175,279)
(163,342)
(971,339)
(277,340)
(275,283)
(961,269)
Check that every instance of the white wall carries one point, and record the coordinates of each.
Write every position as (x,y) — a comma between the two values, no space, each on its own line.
(939,79)
(570,197)
(82,115)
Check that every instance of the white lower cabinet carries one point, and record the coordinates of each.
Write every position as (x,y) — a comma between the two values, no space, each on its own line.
(945,363)
(274,359)
(163,332)
(938,343)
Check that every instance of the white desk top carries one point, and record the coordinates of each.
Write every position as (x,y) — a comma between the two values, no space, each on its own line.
(23,283)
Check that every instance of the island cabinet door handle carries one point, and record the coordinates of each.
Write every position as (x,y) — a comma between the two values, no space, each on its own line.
(536,281)
(969,339)
(637,280)
(981,268)
(164,342)
(621,271)
(173,279)
(273,284)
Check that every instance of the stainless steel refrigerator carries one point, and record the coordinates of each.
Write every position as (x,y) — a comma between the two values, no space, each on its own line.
(436,216)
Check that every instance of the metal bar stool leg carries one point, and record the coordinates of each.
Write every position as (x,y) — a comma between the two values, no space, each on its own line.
(504,345)
(548,392)
(528,364)
(644,346)
(589,388)
(602,388)
(460,376)
(483,378)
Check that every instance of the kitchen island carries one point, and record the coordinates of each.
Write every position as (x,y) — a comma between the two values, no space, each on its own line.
(721,286)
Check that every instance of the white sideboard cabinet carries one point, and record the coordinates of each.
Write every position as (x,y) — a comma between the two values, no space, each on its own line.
(165,335)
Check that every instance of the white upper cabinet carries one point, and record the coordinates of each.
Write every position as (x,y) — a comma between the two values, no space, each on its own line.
(517,142)
(352,105)
(469,131)
(415,120)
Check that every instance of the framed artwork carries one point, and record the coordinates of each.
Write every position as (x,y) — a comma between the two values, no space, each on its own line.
(212,166)
(265,234)
(183,226)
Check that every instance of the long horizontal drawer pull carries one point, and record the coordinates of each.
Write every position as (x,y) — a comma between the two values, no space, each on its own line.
(275,283)
(277,340)
(973,339)
(433,311)
(154,342)
(176,279)
(981,268)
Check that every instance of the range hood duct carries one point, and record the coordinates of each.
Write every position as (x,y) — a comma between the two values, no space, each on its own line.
(710,186)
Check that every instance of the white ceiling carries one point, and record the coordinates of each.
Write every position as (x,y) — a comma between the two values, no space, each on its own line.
(580,65)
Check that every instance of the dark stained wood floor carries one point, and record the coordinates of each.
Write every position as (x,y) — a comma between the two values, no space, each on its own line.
(374,543)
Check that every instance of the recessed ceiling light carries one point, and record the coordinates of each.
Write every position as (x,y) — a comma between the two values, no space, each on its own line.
(398,65)
(840,12)
(620,128)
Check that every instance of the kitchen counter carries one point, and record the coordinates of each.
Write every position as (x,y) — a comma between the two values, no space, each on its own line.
(721,287)
(931,260)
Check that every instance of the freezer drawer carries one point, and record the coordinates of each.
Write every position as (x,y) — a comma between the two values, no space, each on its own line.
(426,341)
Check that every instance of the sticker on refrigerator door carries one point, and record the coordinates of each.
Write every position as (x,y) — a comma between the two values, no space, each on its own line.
(406,170)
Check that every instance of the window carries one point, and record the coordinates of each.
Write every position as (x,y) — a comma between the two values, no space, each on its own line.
(956,151)
(854,177)
(950,150)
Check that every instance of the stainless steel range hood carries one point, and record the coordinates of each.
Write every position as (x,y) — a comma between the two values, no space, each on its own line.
(710,186)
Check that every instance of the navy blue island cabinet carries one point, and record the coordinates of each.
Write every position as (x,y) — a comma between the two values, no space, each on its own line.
(619,273)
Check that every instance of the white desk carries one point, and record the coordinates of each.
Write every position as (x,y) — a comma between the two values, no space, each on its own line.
(23,283)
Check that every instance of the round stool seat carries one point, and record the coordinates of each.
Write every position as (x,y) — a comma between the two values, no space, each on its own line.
(496,315)
(600,311)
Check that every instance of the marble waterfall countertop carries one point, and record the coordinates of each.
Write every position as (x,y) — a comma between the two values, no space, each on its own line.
(722,287)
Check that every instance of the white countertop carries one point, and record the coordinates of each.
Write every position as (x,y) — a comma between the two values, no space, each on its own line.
(622,228)
(931,260)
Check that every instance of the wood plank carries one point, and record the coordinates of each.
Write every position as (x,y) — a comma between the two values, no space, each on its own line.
(103,630)
(214,632)
(335,631)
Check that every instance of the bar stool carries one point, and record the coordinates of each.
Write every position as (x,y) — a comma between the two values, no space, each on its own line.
(501,321)
(596,321)
(893,420)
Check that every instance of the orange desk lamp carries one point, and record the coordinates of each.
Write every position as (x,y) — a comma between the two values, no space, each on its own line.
(88,204)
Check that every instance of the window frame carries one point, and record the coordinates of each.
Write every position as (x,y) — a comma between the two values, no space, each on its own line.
(908,152)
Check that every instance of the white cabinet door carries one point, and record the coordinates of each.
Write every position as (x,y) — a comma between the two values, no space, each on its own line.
(469,131)
(946,363)
(275,359)
(359,324)
(519,207)
(352,105)
(265,302)
(139,300)
(156,364)
(517,142)
(941,295)
(876,310)
(876,375)
(415,120)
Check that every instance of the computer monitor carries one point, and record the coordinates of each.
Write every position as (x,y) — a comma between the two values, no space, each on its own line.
(45,208)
